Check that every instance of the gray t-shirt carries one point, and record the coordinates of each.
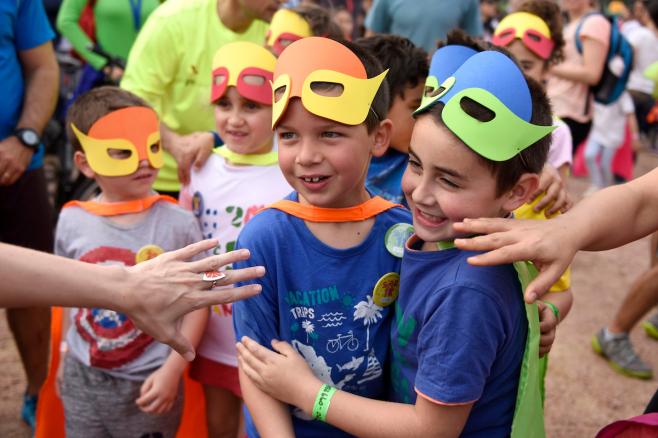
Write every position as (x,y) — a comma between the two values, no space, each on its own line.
(104,338)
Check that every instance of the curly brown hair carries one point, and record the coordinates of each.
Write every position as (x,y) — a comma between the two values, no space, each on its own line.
(548,11)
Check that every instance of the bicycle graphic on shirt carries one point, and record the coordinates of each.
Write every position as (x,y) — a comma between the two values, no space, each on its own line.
(347,340)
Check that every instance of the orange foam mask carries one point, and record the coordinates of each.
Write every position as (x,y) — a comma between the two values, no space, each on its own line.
(308,65)
(119,141)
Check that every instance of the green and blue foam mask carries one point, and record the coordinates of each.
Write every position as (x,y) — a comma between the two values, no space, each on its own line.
(444,63)
(493,80)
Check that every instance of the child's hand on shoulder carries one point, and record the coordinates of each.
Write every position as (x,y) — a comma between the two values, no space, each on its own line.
(547,327)
(556,198)
(159,391)
(283,374)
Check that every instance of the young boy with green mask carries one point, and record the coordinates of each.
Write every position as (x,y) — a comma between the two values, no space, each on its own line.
(464,345)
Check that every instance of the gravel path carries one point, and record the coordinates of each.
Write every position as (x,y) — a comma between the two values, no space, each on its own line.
(583,393)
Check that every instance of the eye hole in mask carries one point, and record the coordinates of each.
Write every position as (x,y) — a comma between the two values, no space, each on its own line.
(435,91)
(327,89)
(119,154)
(507,33)
(285,42)
(279,93)
(254,80)
(533,36)
(219,80)
(476,110)
(155,148)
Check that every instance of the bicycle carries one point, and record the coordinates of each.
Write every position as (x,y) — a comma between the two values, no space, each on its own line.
(347,340)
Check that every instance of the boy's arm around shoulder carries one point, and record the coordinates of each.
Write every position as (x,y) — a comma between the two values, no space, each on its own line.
(257,317)
(445,345)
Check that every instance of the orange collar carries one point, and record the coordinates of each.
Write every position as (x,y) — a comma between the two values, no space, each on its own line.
(361,212)
(117,208)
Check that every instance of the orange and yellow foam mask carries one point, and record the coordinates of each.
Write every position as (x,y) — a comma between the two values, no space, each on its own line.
(530,29)
(308,65)
(246,66)
(134,129)
(286,27)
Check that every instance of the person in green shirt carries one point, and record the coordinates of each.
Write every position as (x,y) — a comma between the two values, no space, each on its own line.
(117,23)
(170,67)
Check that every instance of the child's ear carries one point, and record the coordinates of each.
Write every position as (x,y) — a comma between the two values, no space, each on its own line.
(382,137)
(80,160)
(521,192)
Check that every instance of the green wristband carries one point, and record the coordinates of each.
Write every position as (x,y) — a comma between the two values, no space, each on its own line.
(322,401)
(555,310)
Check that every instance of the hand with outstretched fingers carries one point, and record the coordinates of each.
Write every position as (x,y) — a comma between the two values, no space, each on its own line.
(162,290)
(545,243)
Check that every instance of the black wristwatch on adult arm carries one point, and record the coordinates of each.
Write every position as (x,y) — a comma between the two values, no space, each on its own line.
(29,137)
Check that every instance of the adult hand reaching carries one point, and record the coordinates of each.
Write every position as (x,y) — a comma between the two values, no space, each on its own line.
(545,243)
(167,287)
(189,151)
(155,294)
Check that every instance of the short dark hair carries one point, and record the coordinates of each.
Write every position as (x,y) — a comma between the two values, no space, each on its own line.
(548,11)
(459,37)
(407,64)
(93,105)
(380,104)
(529,160)
(652,9)
(320,21)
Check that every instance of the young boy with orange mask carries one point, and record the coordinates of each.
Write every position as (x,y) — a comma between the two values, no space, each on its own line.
(331,250)
(114,379)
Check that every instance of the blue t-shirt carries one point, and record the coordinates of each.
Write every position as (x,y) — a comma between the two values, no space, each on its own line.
(23,26)
(385,176)
(424,21)
(459,337)
(324,301)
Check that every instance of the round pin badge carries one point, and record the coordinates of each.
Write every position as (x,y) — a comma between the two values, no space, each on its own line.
(197,204)
(386,290)
(396,237)
(148,252)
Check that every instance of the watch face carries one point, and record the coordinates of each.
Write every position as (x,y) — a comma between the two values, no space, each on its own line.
(29,138)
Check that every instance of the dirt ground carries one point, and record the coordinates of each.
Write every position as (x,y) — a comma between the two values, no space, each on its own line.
(583,393)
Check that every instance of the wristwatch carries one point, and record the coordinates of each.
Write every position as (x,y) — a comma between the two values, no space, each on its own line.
(29,138)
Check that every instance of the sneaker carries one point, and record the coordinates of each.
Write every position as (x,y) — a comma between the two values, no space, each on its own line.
(651,326)
(621,355)
(29,410)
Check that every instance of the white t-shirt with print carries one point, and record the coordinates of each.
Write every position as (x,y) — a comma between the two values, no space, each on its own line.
(224,197)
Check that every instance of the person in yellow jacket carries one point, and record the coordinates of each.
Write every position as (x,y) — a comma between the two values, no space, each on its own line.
(170,67)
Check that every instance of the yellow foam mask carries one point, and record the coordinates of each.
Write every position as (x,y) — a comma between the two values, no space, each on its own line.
(134,132)
(307,65)
(246,66)
(286,27)
(529,28)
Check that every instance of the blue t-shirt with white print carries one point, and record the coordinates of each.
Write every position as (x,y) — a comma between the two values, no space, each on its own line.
(459,336)
(333,305)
